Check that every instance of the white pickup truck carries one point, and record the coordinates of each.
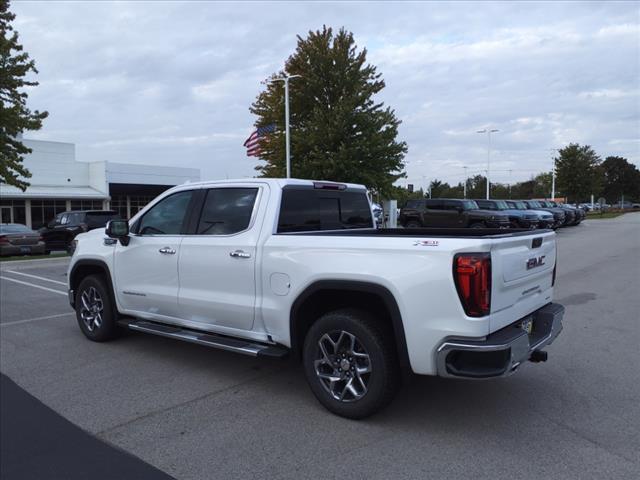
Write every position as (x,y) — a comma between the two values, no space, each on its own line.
(271,267)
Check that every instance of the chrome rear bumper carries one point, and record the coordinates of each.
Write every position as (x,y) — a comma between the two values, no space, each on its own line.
(502,352)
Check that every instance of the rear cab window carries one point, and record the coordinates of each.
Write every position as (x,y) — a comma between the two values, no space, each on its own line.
(226,211)
(304,209)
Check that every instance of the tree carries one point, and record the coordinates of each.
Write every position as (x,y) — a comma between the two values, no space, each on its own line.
(620,178)
(338,131)
(15,117)
(577,172)
(439,189)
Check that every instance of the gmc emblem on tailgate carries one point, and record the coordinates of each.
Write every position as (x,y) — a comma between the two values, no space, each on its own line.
(535,262)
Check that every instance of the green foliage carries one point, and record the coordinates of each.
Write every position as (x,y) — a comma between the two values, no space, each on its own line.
(338,131)
(578,172)
(402,195)
(15,117)
(620,178)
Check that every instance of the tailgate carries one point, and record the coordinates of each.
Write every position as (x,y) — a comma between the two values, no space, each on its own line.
(522,273)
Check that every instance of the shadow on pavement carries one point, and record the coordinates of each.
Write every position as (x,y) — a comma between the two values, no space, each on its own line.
(37,443)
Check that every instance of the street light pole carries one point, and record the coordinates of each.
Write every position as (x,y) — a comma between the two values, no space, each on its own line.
(286,79)
(488,132)
(553,177)
(465,182)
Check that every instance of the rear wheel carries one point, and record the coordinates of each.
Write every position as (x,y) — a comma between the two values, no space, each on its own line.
(477,225)
(350,363)
(95,310)
(412,224)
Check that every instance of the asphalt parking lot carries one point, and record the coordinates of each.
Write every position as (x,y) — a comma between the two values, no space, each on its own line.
(197,413)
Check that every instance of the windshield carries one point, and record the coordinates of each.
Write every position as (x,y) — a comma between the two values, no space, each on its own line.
(535,204)
(470,205)
(501,205)
(14,229)
(517,205)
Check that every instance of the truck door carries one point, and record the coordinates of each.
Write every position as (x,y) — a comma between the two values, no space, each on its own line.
(146,269)
(435,214)
(217,265)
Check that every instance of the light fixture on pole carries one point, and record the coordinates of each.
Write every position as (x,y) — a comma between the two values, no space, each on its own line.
(488,132)
(286,79)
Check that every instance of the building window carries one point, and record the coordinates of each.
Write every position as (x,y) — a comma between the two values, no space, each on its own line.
(13,211)
(86,204)
(43,211)
(119,204)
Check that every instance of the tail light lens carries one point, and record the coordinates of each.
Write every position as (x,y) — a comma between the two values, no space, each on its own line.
(4,240)
(472,275)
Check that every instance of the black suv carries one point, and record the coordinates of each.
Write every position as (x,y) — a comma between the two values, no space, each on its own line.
(60,231)
(518,218)
(449,213)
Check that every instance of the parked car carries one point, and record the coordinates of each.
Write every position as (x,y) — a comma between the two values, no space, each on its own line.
(579,213)
(274,267)
(569,213)
(518,218)
(450,213)
(59,232)
(378,214)
(18,239)
(545,219)
(558,214)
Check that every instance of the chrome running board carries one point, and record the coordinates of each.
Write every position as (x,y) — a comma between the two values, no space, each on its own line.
(212,340)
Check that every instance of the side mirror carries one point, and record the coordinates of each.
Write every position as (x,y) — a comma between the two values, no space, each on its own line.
(460,209)
(118,229)
(51,224)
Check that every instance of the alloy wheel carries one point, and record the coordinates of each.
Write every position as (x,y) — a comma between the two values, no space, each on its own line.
(343,366)
(91,308)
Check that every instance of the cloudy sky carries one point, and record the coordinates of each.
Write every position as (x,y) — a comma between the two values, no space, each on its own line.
(170,83)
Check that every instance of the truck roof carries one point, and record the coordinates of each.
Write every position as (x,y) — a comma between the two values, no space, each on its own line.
(278,182)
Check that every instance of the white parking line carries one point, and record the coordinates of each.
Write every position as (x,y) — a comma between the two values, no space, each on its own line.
(37,319)
(38,277)
(59,292)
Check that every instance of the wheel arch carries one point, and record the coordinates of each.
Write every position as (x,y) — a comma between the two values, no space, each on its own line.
(84,268)
(323,296)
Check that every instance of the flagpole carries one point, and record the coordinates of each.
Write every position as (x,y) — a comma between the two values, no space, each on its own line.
(286,79)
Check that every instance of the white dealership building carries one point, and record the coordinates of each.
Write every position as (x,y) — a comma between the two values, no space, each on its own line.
(60,183)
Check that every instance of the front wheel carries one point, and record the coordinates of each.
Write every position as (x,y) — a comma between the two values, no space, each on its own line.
(477,225)
(95,310)
(350,363)
(412,224)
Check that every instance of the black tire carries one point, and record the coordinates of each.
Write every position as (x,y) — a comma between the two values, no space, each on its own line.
(412,224)
(373,340)
(477,225)
(106,328)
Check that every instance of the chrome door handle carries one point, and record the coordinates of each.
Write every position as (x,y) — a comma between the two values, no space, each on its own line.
(240,254)
(167,251)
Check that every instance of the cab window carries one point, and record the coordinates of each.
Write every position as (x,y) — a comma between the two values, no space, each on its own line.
(167,217)
(226,211)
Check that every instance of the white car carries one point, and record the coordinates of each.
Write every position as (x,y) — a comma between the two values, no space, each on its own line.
(270,267)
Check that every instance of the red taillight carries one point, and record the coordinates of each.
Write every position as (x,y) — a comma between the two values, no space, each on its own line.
(472,275)
(4,240)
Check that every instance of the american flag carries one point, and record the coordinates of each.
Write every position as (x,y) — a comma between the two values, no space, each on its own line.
(253,142)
